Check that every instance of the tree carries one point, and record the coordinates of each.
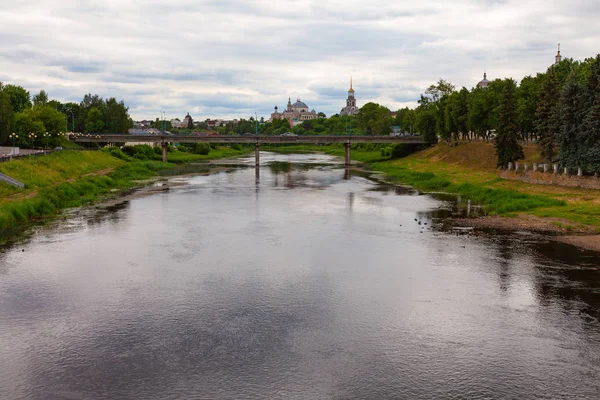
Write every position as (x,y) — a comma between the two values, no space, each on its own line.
(53,120)
(568,137)
(41,98)
(480,112)
(94,122)
(26,122)
(374,119)
(547,119)
(527,97)
(508,148)
(321,115)
(426,125)
(6,116)
(190,124)
(440,89)
(116,117)
(19,97)
(591,117)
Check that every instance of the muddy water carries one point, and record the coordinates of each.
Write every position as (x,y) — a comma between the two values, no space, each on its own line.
(306,283)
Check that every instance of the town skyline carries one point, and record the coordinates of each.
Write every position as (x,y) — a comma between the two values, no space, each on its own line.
(231,59)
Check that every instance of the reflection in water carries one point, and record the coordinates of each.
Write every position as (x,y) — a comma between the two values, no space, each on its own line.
(293,282)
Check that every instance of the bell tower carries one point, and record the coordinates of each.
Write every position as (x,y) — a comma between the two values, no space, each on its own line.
(558,57)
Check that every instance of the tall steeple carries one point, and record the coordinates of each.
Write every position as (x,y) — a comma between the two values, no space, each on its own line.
(558,57)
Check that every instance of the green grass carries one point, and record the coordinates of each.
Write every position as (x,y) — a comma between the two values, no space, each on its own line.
(68,179)
(42,171)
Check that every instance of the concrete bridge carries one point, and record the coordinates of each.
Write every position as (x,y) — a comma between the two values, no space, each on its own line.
(164,140)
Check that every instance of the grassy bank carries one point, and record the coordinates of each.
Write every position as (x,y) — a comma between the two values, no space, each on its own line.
(469,170)
(75,178)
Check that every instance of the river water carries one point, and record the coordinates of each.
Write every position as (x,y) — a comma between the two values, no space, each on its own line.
(304,284)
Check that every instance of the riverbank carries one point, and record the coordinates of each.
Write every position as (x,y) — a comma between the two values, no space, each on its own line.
(69,179)
(567,214)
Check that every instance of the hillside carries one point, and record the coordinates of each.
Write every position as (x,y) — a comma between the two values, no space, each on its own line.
(476,155)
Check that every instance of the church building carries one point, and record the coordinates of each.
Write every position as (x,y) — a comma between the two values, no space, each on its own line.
(350,108)
(295,113)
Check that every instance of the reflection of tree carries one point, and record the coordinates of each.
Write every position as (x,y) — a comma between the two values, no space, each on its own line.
(112,214)
(569,277)
(278,167)
(505,247)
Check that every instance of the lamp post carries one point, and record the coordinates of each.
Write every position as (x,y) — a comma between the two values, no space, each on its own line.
(32,137)
(14,137)
(45,140)
(256,122)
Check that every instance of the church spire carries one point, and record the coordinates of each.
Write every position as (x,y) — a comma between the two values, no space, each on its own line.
(558,57)
(351,90)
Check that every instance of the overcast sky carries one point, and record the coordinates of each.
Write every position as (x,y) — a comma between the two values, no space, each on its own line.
(229,58)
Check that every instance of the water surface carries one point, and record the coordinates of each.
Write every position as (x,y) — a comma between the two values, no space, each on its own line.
(306,283)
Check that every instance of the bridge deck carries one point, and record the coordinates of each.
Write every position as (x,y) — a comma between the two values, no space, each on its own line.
(246,139)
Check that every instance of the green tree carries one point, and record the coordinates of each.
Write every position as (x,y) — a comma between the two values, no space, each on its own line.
(53,120)
(19,97)
(569,136)
(440,89)
(527,97)
(6,116)
(591,118)
(41,98)
(94,122)
(480,112)
(116,117)
(508,148)
(374,119)
(547,117)
(26,122)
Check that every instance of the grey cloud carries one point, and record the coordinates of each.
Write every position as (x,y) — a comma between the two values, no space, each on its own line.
(232,58)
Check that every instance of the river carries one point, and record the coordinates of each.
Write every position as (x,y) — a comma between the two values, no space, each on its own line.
(304,284)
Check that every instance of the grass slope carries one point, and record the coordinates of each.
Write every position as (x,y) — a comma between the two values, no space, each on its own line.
(75,178)
(469,169)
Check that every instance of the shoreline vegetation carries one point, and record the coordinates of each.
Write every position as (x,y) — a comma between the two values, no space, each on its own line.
(468,169)
(70,179)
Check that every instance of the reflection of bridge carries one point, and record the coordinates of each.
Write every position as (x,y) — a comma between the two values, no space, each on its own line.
(256,140)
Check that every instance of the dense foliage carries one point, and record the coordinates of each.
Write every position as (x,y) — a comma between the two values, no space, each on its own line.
(558,109)
(39,121)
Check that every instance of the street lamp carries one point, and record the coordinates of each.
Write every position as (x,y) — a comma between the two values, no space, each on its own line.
(256,121)
(45,140)
(32,137)
(14,137)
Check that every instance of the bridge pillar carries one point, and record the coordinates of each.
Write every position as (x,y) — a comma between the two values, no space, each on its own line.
(165,148)
(347,148)
(257,154)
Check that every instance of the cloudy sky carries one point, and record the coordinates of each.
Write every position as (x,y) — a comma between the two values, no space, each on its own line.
(230,58)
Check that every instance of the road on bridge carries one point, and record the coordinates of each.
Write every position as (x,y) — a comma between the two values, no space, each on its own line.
(164,140)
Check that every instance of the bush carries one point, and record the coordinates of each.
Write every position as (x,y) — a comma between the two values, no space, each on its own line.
(200,148)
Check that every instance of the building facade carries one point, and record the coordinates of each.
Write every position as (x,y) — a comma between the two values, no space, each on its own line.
(294,113)
(350,108)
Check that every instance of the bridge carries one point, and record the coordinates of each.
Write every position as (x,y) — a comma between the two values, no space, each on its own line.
(164,140)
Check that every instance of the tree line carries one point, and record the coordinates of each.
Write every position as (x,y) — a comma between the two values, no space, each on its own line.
(558,109)
(38,121)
